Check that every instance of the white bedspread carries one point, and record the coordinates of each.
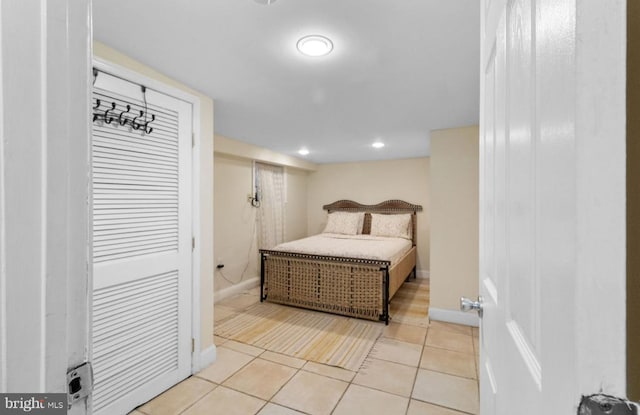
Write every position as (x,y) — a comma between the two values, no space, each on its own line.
(351,246)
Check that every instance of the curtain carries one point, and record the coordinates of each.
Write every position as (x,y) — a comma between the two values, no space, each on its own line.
(270,187)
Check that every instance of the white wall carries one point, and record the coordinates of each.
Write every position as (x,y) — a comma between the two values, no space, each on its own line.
(370,183)
(454,216)
(235,237)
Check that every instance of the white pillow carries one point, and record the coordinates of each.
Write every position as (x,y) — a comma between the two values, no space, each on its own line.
(348,223)
(396,226)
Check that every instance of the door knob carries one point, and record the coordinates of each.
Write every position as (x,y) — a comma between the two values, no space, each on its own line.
(468,305)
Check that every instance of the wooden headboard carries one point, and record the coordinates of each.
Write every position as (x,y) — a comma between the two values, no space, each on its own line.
(387,207)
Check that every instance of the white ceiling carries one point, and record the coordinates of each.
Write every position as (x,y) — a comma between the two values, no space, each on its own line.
(399,68)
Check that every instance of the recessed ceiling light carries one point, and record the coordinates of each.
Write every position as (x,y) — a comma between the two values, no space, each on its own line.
(377,144)
(303,151)
(314,45)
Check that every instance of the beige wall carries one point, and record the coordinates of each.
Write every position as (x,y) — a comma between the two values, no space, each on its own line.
(106,53)
(234,217)
(369,183)
(454,216)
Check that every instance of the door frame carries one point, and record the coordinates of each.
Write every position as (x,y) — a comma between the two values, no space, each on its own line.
(136,77)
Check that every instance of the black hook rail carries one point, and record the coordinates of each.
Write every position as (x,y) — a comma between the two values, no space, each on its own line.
(139,122)
(107,114)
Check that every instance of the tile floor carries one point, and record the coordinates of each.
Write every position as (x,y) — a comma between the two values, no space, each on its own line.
(411,370)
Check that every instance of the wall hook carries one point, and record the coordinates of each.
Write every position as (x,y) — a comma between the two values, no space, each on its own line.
(121,118)
(146,127)
(107,118)
(134,124)
(96,115)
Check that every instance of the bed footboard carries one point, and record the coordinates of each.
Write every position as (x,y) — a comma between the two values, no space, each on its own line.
(347,286)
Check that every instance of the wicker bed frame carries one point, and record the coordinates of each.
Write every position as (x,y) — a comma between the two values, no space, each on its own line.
(348,286)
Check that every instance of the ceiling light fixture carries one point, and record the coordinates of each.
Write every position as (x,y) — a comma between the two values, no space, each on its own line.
(303,151)
(265,2)
(377,144)
(315,45)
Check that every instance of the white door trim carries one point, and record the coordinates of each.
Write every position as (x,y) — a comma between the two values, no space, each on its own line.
(133,76)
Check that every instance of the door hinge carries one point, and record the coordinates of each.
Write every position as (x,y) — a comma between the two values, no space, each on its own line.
(79,382)
(193,345)
(193,243)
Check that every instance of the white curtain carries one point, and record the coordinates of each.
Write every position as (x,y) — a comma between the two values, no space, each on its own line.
(270,186)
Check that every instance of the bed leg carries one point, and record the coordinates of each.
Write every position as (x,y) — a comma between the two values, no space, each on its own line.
(385,297)
(415,275)
(262,297)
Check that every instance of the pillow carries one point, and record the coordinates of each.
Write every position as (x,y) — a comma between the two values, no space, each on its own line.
(396,226)
(348,223)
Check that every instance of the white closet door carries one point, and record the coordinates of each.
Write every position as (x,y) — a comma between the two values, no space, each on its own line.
(141,342)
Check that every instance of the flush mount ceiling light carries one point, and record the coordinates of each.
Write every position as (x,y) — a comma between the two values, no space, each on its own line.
(315,45)
(377,144)
(303,151)
(265,2)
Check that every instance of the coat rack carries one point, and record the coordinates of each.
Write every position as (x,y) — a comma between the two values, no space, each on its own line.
(109,114)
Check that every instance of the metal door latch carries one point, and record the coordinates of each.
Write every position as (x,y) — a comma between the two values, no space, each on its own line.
(79,382)
(600,404)
(469,305)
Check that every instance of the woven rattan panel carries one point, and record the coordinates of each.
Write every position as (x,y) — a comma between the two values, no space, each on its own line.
(347,289)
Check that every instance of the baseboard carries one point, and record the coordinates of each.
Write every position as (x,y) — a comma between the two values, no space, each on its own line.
(422,274)
(454,316)
(207,357)
(235,289)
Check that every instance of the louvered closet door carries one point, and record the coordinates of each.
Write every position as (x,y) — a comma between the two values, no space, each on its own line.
(141,248)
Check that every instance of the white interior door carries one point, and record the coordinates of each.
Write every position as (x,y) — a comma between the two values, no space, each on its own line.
(141,342)
(547,222)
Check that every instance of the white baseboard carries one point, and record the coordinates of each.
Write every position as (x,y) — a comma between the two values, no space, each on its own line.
(454,316)
(207,357)
(235,289)
(422,274)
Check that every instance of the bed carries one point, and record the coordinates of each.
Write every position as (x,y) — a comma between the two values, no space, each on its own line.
(332,273)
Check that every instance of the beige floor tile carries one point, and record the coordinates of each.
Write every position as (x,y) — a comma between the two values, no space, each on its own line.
(423,408)
(178,398)
(311,393)
(261,378)
(446,390)
(475,331)
(448,361)
(386,376)
(136,412)
(224,401)
(227,363)
(221,313)
(240,302)
(476,345)
(219,341)
(405,333)
(243,348)
(397,351)
(455,328)
(283,359)
(359,400)
(449,340)
(273,409)
(330,371)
